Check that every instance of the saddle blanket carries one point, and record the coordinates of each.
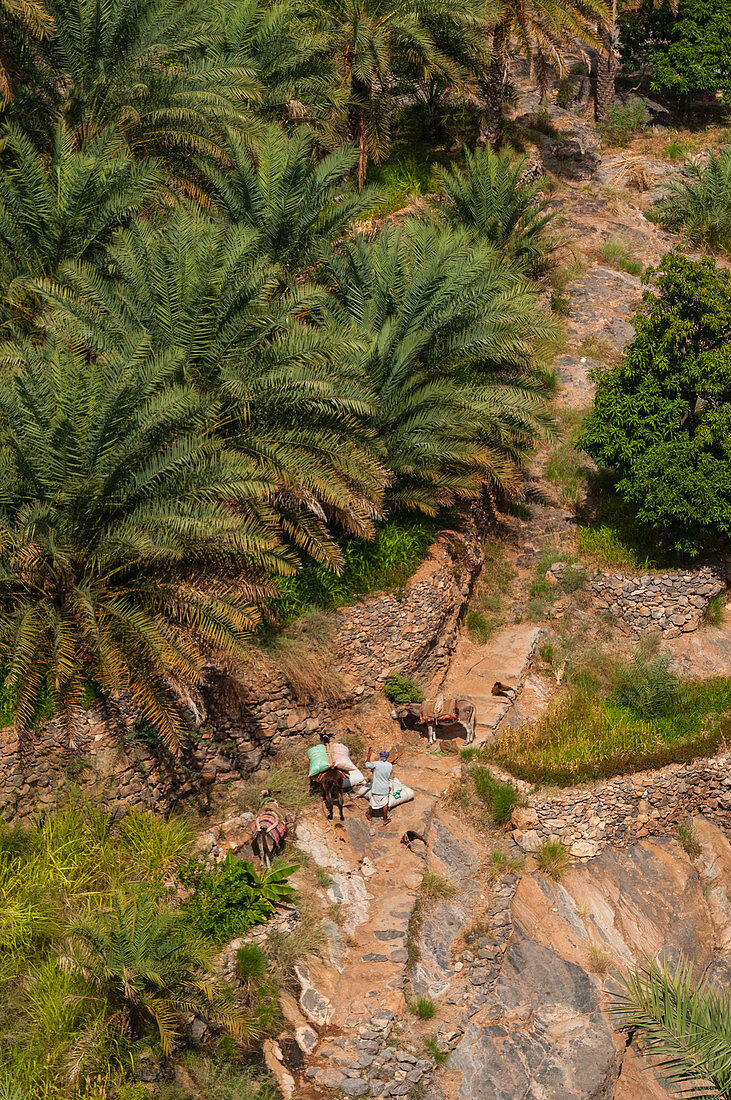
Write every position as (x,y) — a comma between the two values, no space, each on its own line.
(447,712)
(270,821)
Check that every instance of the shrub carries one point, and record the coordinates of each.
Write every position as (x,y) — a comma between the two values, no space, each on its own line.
(625,121)
(500,798)
(252,965)
(231,898)
(156,846)
(688,840)
(435,1050)
(553,858)
(699,205)
(660,418)
(402,689)
(648,688)
(423,1007)
(386,562)
(565,92)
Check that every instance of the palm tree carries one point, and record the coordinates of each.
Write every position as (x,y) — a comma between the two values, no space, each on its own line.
(372,41)
(447,330)
(141,961)
(293,398)
(607,62)
(291,197)
(65,208)
(490,198)
(128,64)
(132,543)
(23,24)
(543,30)
(685,1027)
(282,50)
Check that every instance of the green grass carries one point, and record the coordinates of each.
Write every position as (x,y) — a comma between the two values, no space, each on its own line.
(596,347)
(674,150)
(499,798)
(553,858)
(423,1007)
(437,1052)
(404,180)
(568,468)
(624,122)
(618,251)
(688,840)
(607,547)
(587,736)
(436,886)
(713,613)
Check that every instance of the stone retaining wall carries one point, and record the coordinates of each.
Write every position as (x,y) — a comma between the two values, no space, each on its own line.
(412,632)
(628,808)
(671,602)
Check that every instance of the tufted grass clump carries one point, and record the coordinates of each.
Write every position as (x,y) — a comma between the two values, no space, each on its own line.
(435,1050)
(423,1007)
(553,858)
(598,957)
(688,840)
(648,687)
(500,798)
(436,886)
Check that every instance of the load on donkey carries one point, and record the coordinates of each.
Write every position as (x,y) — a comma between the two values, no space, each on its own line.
(438,715)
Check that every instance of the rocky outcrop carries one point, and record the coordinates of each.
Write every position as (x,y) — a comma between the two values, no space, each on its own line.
(547,1031)
(623,810)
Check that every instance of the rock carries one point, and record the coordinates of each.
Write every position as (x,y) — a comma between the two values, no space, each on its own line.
(331,1078)
(529,841)
(524,817)
(315,1006)
(354,1086)
(584,849)
(306,1039)
(273,1061)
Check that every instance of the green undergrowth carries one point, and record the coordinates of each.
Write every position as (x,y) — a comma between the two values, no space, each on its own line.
(386,562)
(84,902)
(616,717)
(567,467)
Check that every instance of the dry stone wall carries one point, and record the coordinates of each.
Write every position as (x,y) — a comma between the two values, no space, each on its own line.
(622,810)
(673,603)
(412,632)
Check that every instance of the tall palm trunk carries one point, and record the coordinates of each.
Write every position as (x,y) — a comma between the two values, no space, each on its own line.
(356,126)
(606,68)
(491,123)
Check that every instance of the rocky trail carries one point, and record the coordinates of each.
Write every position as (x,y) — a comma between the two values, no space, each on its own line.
(518,966)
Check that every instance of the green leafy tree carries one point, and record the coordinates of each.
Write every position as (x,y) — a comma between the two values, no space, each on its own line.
(699,203)
(686,47)
(447,330)
(132,548)
(292,391)
(149,971)
(544,31)
(662,417)
(490,198)
(683,1026)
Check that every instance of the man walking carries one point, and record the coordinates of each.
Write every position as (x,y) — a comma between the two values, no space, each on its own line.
(381,783)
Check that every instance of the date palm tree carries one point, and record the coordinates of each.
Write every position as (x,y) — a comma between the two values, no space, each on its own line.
(607,63)
(685,1027)
(129,64)
(491,199)
(23,24)
(447,329)
(373,41)
(544,31)
(62,208)
(293,396)
(148,971)
(290,196)
(132,541)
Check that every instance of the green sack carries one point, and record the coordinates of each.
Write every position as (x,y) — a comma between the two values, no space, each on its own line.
(319,762)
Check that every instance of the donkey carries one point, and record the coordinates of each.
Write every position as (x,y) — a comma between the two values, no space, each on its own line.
(409,715)
(269,828)
(333,785)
